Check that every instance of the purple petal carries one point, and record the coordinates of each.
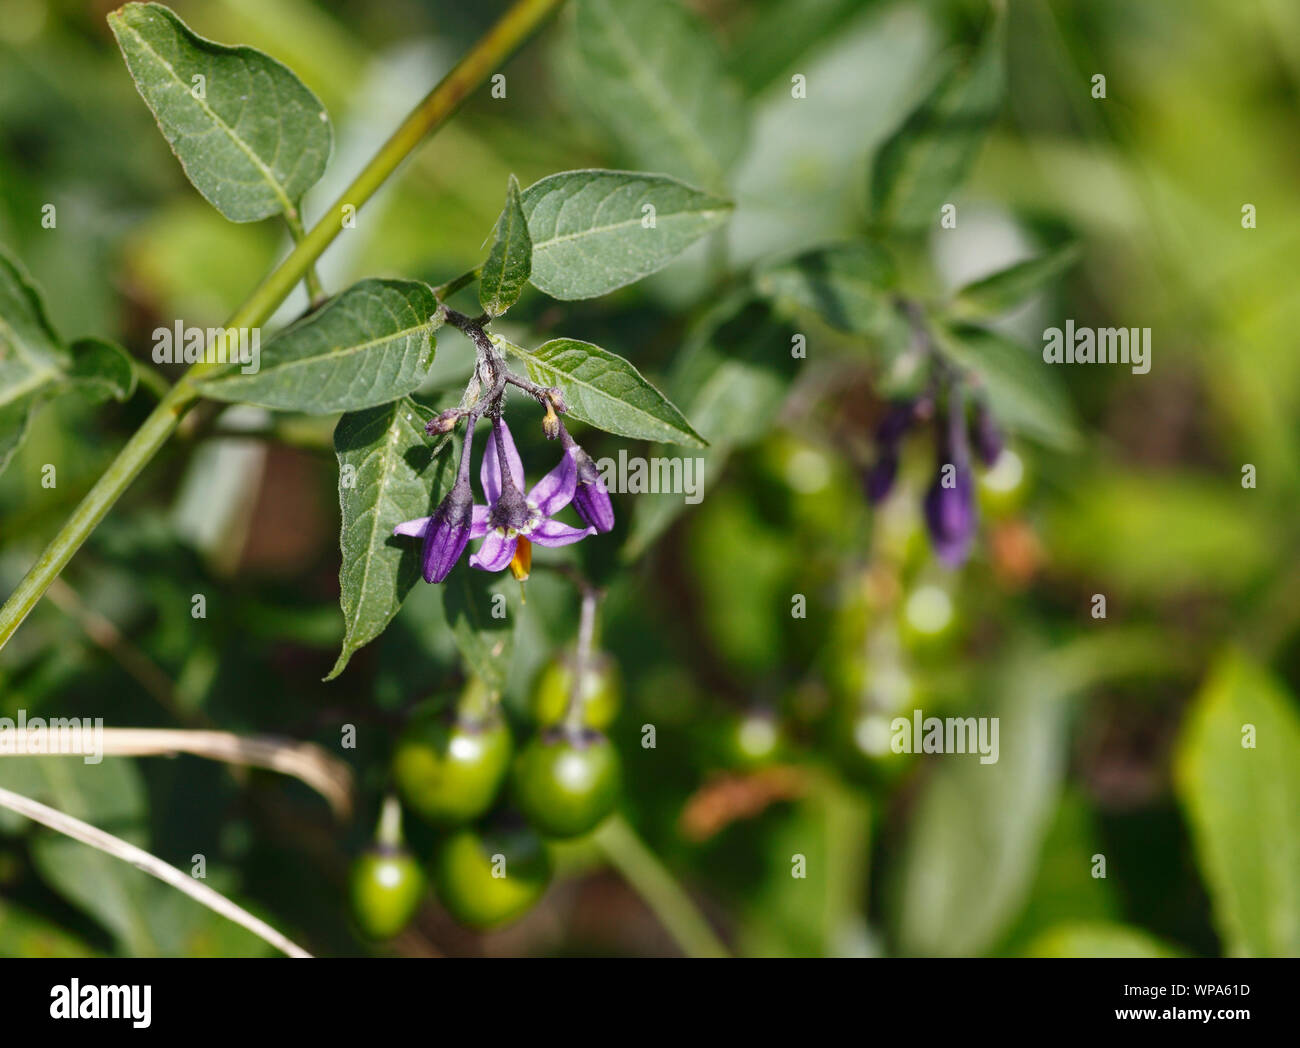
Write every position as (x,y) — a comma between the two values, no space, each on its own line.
(591,500)
(490,473)
(555,490)
(950,516)
(479,526)
(442,549)
(415,528)
(553,533)
(496,552)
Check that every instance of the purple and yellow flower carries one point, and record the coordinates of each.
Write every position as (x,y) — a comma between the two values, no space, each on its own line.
(510,522)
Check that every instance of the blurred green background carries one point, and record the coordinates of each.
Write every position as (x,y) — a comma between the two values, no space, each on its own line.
(1120,737)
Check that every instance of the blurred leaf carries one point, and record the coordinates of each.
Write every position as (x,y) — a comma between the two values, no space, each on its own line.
(32,358)
(847,285)
(24,934)
(736,370)
(974,839)
(102,368)
(368,345)
(1165,533)
(1023,393)
(1098,939)
(249,134)
(654,77)
(485,640)
(917,168)
(1010,287)
(605,391)
(511,259)
(595,231)
(389,455)
(1243,802)
(782,32)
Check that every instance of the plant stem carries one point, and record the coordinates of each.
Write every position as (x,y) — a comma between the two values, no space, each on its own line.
(151,864)
(647,875)
(315,289)
(515,26)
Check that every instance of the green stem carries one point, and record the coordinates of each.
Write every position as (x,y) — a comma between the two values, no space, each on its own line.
(647,875)
(315,289)
(444,291)
(515,26)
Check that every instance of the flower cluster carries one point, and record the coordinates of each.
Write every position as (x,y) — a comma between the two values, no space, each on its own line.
(511,520)
(949,504)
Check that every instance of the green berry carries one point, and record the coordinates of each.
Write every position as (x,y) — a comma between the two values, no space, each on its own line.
(385,887)
(450,769)
(565,783)
(488,878)
(601,691)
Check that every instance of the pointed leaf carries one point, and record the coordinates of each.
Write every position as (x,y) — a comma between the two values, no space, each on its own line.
(367,346)
(669,104)
(1022,390)
(917,168)
(511,259)
(595,231)
(386,476)
(1010,287)
(604,390)
(249,134)
(847,285)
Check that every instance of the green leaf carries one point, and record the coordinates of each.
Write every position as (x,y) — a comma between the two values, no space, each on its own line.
(1022,391)
(25,934)
(511,259)
(249,134)
(1010,287)
(367,346)
(32,357)
(653,75)
(847,285)
(102,368)
(469,599)
(975,835)
(595,231)
(384,479)
(917,168)
(604,390)
(1098,939)
(736,369)
(1241,801)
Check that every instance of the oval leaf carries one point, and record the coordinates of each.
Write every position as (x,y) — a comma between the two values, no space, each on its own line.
(102,368)
(367,346)
(919,165)
(669,105)
(384,457)
(604,390)
(511,259)
(1237,773)
(595,231)
(249,134)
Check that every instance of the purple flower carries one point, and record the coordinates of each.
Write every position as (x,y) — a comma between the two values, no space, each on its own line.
(879,479)
(590,498)
(447,532)
(512,521)
(986,435)
(950,502)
